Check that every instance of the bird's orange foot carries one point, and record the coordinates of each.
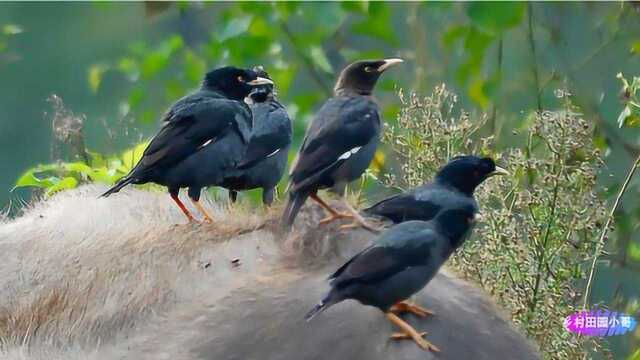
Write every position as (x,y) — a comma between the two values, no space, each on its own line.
(334,217)
(418,338)
(404,307)
(356,224)
(408,332)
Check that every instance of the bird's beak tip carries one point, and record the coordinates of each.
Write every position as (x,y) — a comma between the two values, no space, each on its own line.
(500,171)
(260,81)
(389,63)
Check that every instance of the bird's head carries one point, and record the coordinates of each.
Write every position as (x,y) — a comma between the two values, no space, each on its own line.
(233,82)
(261,93)
(361,76)
(465,173)
(455,223)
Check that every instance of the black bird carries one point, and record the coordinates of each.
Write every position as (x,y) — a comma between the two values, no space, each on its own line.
(340,141)
(399,263)
(453,186)
(266,158)
(213,117)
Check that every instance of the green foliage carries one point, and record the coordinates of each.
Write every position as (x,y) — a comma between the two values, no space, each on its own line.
(489,21)
(52,178)
(537,228)
(286,38)
(7,31)
(630,115)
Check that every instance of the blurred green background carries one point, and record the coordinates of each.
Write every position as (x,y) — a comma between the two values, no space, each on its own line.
(122,64)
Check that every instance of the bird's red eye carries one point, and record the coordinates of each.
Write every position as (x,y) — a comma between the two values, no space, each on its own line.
(240,78)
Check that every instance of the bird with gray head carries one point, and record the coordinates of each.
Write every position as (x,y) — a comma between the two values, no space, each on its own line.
(202,135)
(340,141)
(266,158)
(399,263)
(453,186)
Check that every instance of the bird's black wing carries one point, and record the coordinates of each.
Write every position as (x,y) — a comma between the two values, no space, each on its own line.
(272,133)
(191,123)
(343,124)
(405,206)
(399,248)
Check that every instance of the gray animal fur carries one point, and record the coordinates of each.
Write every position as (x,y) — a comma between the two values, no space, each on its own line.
(87,278)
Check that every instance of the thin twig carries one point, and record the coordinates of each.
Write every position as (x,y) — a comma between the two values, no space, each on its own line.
(605,229)
(534,64)
(494,110)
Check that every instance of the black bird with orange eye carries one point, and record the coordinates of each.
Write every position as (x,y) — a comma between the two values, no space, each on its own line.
(202,136)
(340,141)
(453,186)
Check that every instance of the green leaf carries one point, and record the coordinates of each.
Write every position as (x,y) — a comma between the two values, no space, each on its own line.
(454,34)
(95,73)
(63,184)
(130,68)
(136,96)
(11,29)
(158,59)
(477,94)
(234,27)
(96,159)
(28,179)
(496,17)
(629,117)
(377,24)
(634,251)
(194,67)
(131,157)
(635,47)
(320,59)
(356,6)
(260,27)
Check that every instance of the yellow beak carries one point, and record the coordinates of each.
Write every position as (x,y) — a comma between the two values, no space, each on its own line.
(389,63)
(259,81)
(499,171)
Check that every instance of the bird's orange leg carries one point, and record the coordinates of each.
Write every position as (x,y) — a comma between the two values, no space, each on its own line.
(403,307)
(335,215)
(408,332)
(182,207)
(205,213)
(358,220)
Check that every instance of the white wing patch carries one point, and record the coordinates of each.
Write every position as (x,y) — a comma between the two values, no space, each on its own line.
(349,153)
(206,143)
(273,153)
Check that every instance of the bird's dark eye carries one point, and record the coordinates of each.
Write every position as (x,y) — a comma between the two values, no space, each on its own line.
(476,173)
(368,68)
(240,78)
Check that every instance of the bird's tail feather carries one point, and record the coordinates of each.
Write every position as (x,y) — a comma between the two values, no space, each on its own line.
(119,185)
(323,305)
(295,202)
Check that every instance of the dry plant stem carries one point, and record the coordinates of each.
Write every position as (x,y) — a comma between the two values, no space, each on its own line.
(605,229)
(534,65)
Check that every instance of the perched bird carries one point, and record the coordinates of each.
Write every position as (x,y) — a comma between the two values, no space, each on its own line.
(213,117)
(340,141)
(266,158)
(453,186)
(399,263)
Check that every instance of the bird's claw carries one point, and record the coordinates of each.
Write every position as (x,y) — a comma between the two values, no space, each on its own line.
(403,307)
(404,336)
(334,217)
(418,339)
